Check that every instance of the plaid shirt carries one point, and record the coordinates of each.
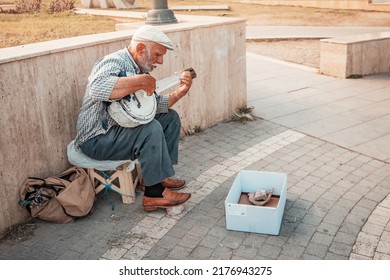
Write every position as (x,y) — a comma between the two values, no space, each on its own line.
(101,82)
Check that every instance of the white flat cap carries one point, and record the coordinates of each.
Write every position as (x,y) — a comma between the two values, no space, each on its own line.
(148,33)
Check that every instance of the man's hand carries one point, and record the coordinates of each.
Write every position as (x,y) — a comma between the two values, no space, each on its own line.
(128,85)
(185,83)
(148,83)
(184,86)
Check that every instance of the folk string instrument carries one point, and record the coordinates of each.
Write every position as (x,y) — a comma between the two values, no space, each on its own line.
(139,108)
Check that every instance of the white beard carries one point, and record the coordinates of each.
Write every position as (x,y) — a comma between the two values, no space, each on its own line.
(143,64)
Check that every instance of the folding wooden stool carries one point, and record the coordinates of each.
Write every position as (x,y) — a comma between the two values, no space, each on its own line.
(119,176)
(123,180)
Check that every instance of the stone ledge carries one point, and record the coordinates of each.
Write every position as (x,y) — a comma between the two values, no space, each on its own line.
(357,55)
(105,4)
(200,7)
(55,46)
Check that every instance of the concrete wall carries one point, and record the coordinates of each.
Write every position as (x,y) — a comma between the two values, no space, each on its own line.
(42,86)
(368,5)
(356,55)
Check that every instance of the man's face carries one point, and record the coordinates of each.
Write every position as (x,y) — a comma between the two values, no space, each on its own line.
(152,55)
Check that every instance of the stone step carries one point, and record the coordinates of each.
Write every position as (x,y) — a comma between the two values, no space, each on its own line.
(198,8)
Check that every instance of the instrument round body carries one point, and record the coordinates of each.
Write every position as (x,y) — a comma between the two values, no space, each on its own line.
(133,110)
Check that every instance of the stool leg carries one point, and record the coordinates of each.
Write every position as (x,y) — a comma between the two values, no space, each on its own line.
(96,180)
(127,186)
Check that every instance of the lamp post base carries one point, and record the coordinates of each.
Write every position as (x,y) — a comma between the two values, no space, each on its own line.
(160,16)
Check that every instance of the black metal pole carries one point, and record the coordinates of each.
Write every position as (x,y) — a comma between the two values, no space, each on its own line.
(160,14)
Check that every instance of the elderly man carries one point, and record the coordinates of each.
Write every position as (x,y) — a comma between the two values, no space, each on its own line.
(154,144)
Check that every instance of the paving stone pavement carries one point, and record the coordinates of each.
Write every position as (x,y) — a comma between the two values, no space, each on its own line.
(332,193)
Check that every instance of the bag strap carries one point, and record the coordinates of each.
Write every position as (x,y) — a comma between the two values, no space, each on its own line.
(56,187)
(37,179)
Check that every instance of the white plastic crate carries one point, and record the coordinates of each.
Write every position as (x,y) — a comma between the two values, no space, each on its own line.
(252,218)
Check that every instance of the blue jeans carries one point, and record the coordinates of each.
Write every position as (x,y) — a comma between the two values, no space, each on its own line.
(155,145)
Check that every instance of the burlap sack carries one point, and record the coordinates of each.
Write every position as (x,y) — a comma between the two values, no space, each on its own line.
(60,198)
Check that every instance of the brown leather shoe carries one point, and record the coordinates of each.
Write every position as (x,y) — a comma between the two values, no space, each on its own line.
(173,184)
(169,183)
(169,199)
